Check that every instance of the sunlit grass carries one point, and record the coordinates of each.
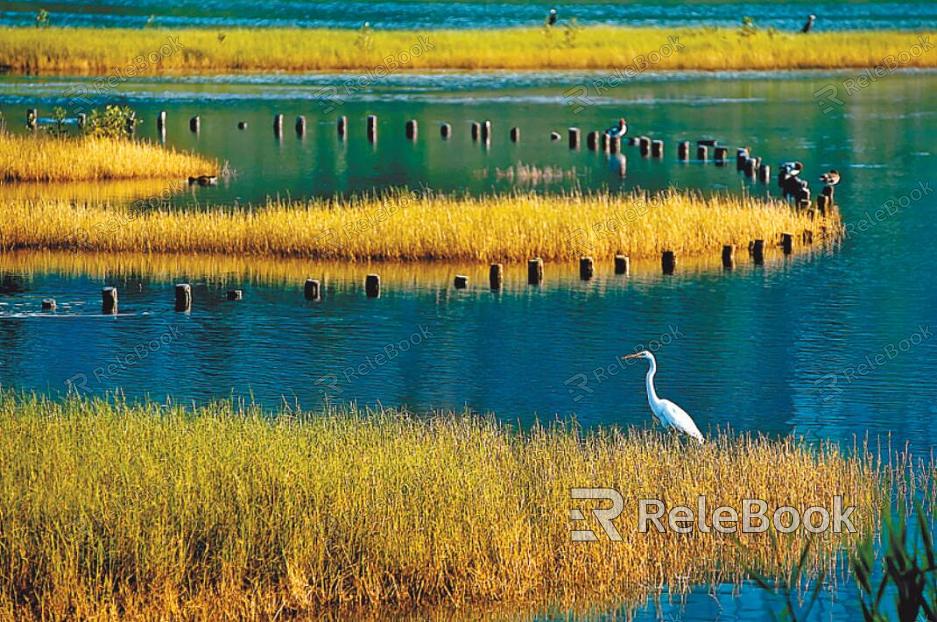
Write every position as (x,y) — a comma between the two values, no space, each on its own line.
(406,226)
(44,158)
(85,50)
(154,511)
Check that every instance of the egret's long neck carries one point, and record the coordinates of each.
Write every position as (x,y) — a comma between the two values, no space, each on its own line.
(651,393)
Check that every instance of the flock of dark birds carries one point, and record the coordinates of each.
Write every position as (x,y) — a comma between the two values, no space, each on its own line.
(552,16)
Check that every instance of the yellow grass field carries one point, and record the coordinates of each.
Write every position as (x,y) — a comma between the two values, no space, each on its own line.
(124,52)
(43,158)
(406,226)
(161,512)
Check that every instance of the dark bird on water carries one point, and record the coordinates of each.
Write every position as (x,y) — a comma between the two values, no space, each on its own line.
(810,20)
(551,17)
(831,178)
(618,130)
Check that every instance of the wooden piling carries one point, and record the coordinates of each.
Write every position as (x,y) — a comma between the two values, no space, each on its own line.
(614,144)
(486,131)
(555,136)
(702,153)
(183,297)
(278,125)
(764,173)
(195,124)
(445,130)
(741,156)
(300,125)
(592,140)
(605,142)
(535,271)
(515,134)
(341,126)
(668,262)
(586,268)
(758,251)
(657,148)
(476,130)
(728,256)
(460,281)
(312,290)
(644,143)
(496,276)
(83,121)
(372,128)
(242,125)
(823,202)
(372,285)
(234,294)
(683,151)
(32,118)
(622,264)
(109,300)
(787,243)
(48,304)
(750,167)
(721,155)
(161,121)
(411,129)
(573,134)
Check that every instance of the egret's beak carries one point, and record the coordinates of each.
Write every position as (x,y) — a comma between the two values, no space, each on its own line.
(631,356)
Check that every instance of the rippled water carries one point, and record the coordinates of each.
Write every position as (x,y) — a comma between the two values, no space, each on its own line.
(833,344)
(848,15)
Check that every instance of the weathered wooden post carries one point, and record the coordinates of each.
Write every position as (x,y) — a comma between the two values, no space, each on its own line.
(372,128)
(683,151)
(445,130)
(161,121)
(242,125)
(278,125)
(312,290)
(411,129)
(592,140)
(657,148)
(515,134)
(342,126)
(614,144)
(372,285)
(460,281)
(751,165)
(48,304)
(555,136)
(300,126)
(83,121)
(823,202)
(496,276)
(728,256)
(195,124)
(535,271)
(702,153)
(234,294)
(668,262)
(109,300)
(605,141)
(764,173)
(183,297)
(644,143)
(573,134)
(758,251)
(787,243)
(622,264)
(741,156)
(486,131)
(476,130)
(721,155)
(32,118)
(586,268)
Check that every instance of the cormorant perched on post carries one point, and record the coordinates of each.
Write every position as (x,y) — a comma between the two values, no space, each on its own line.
(551,17)
(618,130)
(810,20)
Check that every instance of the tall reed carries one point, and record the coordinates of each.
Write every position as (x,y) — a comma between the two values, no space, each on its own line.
(157,511)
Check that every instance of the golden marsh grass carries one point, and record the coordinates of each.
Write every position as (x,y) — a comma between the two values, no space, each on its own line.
(84,50)
(157,511)
(404,226)
(43,158)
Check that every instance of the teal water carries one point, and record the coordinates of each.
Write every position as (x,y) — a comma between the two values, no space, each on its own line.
(834,345)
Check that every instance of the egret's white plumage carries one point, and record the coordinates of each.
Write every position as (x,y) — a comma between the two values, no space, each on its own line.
(667,413)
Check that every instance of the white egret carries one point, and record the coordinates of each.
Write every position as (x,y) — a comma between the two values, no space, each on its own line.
(668,414)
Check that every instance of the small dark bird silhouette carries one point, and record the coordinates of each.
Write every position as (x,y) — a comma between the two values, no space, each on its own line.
(551,17)
(830,179)
(810,20)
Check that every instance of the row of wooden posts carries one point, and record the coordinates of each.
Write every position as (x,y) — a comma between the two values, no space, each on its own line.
(312,290)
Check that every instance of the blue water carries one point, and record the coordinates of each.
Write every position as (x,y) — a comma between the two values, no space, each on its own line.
(850,15)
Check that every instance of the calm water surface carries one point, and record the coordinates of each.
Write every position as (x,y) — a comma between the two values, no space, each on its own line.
(394,14)
(832,345)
